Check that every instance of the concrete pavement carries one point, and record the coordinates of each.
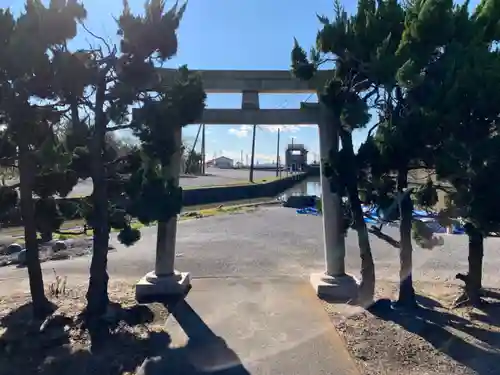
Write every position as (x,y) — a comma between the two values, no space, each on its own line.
(272,241)
(252,326)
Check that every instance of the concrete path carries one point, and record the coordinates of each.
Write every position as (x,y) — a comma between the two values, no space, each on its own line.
(252,326)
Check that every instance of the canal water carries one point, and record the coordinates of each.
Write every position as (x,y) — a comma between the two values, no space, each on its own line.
(310,186)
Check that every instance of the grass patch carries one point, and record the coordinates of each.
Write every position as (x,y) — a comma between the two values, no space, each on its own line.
(75,225)
(189,212)
(208,212)
(19,231)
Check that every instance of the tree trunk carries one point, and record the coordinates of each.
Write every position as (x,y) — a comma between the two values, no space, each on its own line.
(26,175)
(473,282)
(367,286)
(97,293)
(46,236)
(406,292)
(78,127)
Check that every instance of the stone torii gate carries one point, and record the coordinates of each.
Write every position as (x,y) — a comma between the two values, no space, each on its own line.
(333,281)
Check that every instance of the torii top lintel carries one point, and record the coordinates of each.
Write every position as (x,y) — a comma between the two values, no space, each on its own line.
(264,81)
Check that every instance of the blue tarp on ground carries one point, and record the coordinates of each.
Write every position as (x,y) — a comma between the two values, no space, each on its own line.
(428,217)
(308,211)
(371,217)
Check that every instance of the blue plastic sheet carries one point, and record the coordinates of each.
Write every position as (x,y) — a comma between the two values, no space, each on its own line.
(369,220)
(308,211)
(371,217)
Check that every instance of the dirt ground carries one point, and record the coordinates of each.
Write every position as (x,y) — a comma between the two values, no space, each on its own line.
(432,340)
(63,345)
(76,247)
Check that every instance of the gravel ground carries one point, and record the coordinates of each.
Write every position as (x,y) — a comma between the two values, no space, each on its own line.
(77,247)
(62,344)
(433,341)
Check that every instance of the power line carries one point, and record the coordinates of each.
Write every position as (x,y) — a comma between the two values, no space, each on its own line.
(309,97)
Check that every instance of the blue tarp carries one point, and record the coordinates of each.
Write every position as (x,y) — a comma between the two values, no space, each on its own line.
(308,211)
(373,219)
(369,220)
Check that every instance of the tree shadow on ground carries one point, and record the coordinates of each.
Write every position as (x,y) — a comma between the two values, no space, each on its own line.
(127,340)
(453,335)
(384,237)
(489,310)
(427,302)
(204,353)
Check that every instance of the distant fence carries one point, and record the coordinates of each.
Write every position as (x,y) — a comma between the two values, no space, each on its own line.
(71,207)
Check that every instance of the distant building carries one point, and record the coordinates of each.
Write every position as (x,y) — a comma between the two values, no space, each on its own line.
(221,162)
(296,157)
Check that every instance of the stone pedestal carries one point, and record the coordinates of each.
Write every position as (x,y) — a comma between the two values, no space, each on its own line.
(335,288)
(153,287)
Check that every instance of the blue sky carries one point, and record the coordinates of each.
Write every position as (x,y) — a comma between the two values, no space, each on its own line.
(233,34)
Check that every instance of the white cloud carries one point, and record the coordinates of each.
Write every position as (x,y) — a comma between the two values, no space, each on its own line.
(241,132)
(244,130)
(284,128)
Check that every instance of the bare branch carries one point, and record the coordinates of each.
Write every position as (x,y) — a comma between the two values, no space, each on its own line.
(325,60)
(370,94)
(372,129)
(111,51)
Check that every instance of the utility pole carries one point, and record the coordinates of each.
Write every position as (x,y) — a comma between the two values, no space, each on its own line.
(278,154)
(241,157)
(187,166)
(203,150)
(252,159)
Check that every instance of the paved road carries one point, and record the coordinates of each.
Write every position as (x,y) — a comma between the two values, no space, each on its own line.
(276,242)
(214,177)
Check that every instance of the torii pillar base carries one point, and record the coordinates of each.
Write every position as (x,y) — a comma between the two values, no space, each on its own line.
(162,288)
(335,288)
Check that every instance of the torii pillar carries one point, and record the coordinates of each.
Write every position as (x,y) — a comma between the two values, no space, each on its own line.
(333,282)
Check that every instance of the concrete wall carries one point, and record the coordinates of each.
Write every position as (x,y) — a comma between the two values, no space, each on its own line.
(70,207)
(216,194)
